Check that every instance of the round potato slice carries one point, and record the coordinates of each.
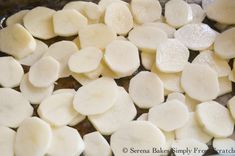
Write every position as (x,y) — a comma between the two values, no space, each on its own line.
(44,72)
(200,82)
(38,22)
(178,13)
(119,18)
(91,141)
(65,141)
(111,120)
(16,18)
(96,97)
(146,11)
(126,138)
(15,40)
(103,4)
(86,60)
(147,37)
(11,72)
(7,140)
(197,36)
(146,89)
(215,119)
(172,56)
(68,22)
(225,44)
(33,138)
(177,115)
(147,59)
(14,108)
(58,109)
(198,13)
(192,130)
(122,57)
(224,145)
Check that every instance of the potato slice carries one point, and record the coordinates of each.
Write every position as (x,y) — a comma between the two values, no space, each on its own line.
(16,18)
(103,4)
(91,141)
(146,11)
(225,86)
(44,72)
(200,82)
(113,119)
(96,35)
(95,74)
(172,56)
(57,109)
(176,96)
(82,78)
(11,72)
(224,44)
(61,51)
(198,13)
(192,130)
(177,115)
(222,11)
(15,40)
(126,138)
(96,97)
(65,141)
(197,36)
(14,108)
(224,145)
(33,137)
(147,59)
(147,37)
(38,22)
(178,13)
(35,95)
(119,18)
(146,89)
(206,3)
(68,22)
(7,139)
(215,119)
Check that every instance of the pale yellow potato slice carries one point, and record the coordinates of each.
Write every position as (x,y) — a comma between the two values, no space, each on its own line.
(16,18)
(176,96)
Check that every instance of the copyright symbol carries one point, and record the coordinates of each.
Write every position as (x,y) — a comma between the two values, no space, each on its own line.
(124,150)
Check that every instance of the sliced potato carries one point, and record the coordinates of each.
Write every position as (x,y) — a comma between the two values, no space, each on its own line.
(198,13)
(81,78)
(176,96)
(16,18)
(225,85)
(7,140)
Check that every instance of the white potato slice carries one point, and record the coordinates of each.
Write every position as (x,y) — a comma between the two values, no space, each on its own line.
(33,137)
(131,136)
(171,56)
(224,146)
(96,35)
(146,11)
(122,57)
(200,82)
(96,97)
(15,40)
(91,141)
(81,78)
(11,72)
(72,91)
(14,108)
(194,147)
(222,11)
(143,117)
(7,140)
(16,18)
(106,71)
(29,60)
(146,89)
(79,118)
(209,58)
(178,13)
(147,59)
(58,109)
(44,72)
(95,74)
(225,86)
(215,119)
(113,119)
(65,141)
(198,13)
(191,103)
(192,130)
(38,22)
(86,60)
(198,36)
(68,22)
(103,4)
(119,18)
(147,37)
(176,96)
(177,115)
(35,95)
(225,44)
(169,30)
(231,106)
